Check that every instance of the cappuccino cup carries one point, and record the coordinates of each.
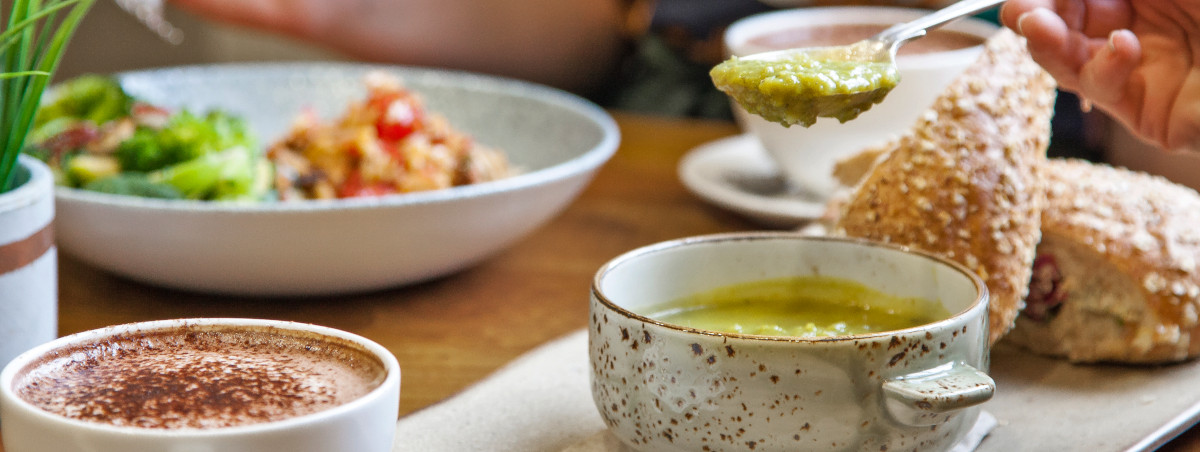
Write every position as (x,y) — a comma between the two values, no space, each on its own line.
(228,385)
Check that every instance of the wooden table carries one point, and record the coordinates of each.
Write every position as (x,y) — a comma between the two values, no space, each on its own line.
(451,332)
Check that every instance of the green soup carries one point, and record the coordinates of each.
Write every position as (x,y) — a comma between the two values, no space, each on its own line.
(800,89)
(810,306)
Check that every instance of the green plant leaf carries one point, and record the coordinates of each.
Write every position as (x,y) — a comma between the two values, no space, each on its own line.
(32,44)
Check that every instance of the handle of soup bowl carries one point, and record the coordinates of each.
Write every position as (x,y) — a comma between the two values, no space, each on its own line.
(927,397)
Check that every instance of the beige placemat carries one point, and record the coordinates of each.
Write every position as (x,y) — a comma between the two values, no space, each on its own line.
(541,402)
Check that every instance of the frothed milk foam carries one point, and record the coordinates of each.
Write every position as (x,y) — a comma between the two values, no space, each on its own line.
(199,377)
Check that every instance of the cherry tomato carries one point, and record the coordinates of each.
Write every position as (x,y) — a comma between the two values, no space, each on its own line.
(354,187)
(397,117)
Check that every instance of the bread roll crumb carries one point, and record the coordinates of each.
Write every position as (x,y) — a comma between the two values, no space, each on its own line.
(1122,248)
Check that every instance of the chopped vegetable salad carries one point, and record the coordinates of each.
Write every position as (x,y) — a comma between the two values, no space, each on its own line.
(386,143)
(97,137)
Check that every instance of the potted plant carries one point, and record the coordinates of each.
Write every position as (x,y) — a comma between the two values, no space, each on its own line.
(32,42)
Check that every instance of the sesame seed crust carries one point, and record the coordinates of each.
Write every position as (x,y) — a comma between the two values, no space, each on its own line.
(1134,291)
(964,182)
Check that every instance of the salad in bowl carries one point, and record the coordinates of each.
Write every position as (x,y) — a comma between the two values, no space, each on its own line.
(301,179)
(97,137)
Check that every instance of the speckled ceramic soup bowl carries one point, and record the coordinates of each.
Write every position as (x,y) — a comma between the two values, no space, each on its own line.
(664,387)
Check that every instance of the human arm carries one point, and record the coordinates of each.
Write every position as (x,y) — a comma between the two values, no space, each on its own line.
(1139,61)
(569,44)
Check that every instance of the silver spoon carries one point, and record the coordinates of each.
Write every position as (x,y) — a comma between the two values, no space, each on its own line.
(795,86)
(150,14)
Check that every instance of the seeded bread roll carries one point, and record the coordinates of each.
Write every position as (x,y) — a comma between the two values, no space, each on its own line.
(1115,277)
(962,183)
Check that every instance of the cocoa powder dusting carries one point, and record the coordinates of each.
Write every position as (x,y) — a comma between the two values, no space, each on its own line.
(199,379)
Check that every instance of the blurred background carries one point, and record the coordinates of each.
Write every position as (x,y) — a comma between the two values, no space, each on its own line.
(111,40)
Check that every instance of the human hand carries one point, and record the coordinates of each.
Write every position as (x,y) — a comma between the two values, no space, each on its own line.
(572,44)
(1137,60)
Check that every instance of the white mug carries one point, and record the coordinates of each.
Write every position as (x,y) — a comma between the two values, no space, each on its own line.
(662,387)
(364,424)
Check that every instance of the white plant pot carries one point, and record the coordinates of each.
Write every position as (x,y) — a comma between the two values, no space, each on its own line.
(28,261)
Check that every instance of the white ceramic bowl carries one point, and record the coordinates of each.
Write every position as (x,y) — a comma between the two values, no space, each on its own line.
(328,247)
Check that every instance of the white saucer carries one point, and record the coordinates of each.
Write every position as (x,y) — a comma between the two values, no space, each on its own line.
(735,173)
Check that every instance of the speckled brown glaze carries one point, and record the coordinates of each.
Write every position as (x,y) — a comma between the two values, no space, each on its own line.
(666,388)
